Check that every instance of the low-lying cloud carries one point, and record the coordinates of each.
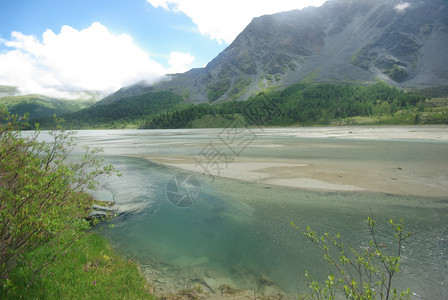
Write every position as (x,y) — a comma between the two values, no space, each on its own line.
(223,20)
(180,62)
(400,7)
(91,59)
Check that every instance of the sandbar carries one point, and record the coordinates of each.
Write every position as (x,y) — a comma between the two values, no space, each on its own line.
(412,178)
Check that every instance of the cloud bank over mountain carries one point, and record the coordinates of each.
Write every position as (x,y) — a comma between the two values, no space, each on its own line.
(91,56)
(223,20)
(91,59)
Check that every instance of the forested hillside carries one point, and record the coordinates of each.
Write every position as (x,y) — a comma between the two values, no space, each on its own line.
(307,105)
(40,106)
(298,105)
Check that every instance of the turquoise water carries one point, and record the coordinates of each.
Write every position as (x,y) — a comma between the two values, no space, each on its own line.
(242,231)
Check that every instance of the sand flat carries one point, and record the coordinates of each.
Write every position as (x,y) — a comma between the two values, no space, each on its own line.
(405,177)
(327,176)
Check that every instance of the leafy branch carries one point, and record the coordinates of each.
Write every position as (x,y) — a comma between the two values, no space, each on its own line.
(366,273)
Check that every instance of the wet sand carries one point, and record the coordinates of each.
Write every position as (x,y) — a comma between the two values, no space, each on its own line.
(411,178)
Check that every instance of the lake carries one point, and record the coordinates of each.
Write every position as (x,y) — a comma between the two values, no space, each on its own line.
(206,227)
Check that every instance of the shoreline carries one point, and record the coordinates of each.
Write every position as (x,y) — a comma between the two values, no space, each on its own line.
(424,133)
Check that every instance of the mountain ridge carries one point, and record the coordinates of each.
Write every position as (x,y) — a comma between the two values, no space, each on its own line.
(343,41)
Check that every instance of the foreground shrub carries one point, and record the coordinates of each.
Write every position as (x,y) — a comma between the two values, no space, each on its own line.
(41,195)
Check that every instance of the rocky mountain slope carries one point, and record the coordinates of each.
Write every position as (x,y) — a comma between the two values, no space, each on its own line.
(403,43)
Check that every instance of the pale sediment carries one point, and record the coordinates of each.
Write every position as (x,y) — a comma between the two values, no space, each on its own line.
(411,179)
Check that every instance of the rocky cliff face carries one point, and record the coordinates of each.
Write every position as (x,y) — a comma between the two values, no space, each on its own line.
(403,43)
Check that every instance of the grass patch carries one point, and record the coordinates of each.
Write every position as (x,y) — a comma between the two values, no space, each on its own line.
(239,88)
(217,89)
(311,77)
(434,117)
(90,270)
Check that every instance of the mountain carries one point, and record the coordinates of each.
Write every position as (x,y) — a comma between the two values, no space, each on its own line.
(137,89)
(402,43)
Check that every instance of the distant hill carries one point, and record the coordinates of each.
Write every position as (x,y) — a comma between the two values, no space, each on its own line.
(137,89)
(402,43)
(6,90)
(131,110)
(39,106)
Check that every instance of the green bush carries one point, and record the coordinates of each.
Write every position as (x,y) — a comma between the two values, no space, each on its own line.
(41,195)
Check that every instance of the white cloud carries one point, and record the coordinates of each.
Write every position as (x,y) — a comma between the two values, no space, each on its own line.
(90,59)
(223,20)
(401,6)
(180,62)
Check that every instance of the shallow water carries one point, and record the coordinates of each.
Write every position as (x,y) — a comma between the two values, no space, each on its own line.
(241,231)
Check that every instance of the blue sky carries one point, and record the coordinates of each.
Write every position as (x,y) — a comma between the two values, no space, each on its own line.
(60,47)
(155,30)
